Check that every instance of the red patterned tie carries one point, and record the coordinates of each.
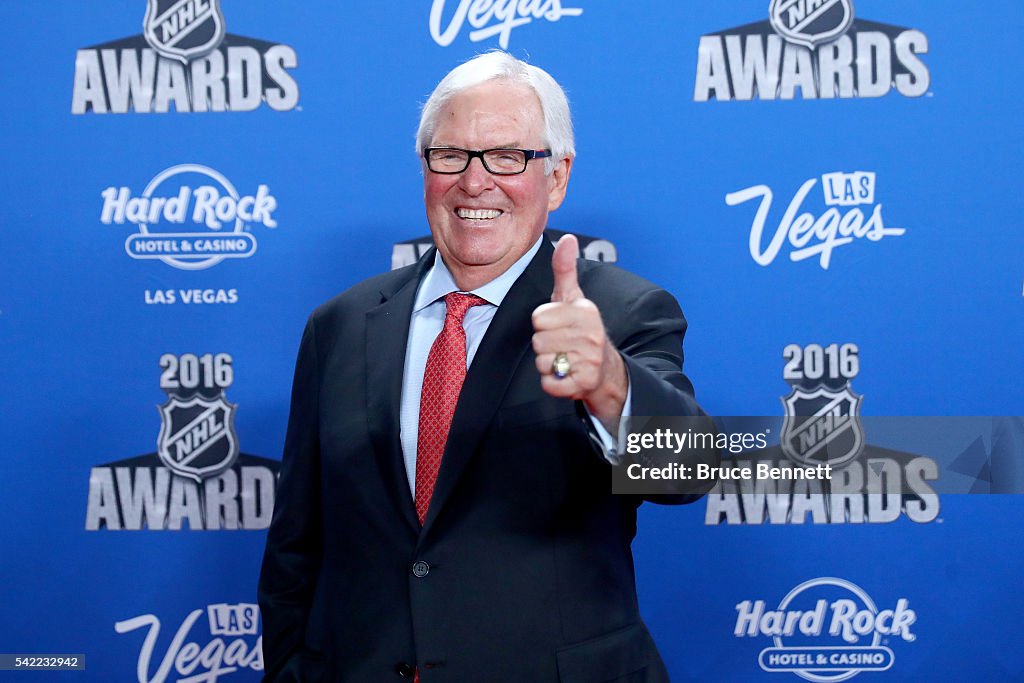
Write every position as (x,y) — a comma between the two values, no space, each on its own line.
(442,382)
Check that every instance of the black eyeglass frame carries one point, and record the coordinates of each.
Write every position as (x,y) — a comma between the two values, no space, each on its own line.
(529,154)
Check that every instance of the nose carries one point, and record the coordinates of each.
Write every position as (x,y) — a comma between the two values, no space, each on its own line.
(475,179)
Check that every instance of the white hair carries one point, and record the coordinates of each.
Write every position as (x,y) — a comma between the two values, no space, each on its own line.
(558,135)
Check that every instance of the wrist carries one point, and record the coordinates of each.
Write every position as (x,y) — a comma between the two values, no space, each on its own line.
(605,402)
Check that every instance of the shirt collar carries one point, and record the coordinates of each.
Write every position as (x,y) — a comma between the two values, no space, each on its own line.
(439,281)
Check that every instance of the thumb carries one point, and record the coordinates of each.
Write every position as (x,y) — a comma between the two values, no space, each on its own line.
(563,265)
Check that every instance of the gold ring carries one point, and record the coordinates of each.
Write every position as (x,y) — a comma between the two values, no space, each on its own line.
(560,366)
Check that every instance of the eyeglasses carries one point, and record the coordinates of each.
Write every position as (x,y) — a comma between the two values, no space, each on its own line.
(499,161)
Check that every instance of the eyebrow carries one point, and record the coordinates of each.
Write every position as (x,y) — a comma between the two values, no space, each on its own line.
(511,145)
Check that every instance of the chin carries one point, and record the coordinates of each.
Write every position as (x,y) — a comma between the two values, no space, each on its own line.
(480,248)
(477,257)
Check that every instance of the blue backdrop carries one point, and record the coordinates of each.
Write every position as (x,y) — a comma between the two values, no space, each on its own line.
(832,192)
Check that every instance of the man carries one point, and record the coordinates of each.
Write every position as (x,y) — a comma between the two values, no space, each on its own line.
(445,524)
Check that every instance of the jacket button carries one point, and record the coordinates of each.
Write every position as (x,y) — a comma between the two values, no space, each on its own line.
(420,569)
(405,670)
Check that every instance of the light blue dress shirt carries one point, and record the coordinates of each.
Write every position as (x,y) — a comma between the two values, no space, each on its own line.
(428,313)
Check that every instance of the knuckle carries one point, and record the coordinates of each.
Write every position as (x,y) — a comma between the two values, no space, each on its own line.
(595,338)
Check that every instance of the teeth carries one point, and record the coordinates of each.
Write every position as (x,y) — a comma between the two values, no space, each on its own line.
(478,214)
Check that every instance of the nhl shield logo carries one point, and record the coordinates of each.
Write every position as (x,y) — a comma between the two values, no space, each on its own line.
(811,22)
(197,436)
(822,427)
(183,29)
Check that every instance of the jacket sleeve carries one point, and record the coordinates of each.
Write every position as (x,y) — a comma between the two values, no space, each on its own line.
(292,559)
(651,343)
(647,328)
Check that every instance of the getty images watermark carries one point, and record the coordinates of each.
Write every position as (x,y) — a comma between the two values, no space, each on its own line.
(832,452)
(689,455)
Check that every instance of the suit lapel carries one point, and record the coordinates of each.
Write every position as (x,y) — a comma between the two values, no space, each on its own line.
(387,333)
(501,351)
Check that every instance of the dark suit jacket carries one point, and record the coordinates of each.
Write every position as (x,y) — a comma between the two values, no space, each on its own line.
(522,570)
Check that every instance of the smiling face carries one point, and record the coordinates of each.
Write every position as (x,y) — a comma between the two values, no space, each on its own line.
(483,223)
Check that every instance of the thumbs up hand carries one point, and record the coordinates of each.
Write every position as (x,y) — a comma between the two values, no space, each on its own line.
(571,325)
(563,266)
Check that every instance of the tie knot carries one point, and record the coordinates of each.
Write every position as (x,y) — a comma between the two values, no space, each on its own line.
(457,304)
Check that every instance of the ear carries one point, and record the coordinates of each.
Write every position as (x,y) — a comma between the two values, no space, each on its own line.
(558,181)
